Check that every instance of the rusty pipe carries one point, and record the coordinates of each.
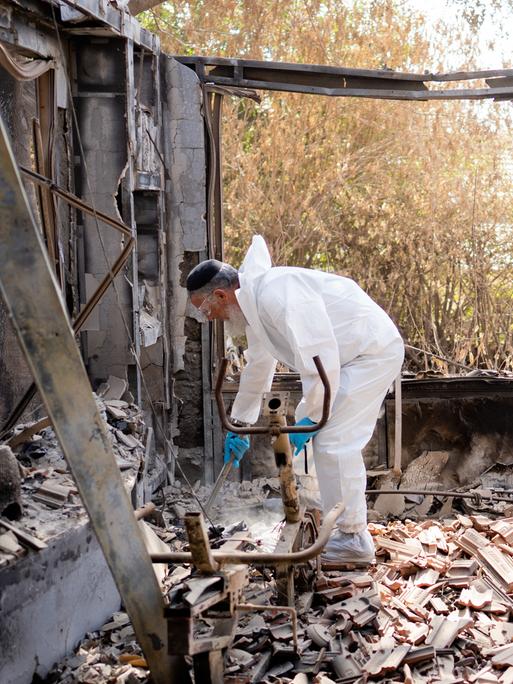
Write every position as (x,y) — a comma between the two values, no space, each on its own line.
(103,286)
(256,430)
(263,430)
(284,461)
(251,557)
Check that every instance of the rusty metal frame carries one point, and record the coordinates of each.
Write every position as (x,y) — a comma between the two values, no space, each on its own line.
(212,109)
(75,201)
(116,267)
(220,605)
(39,317)
(45,199)
(216,73)
(44,139)
(275,429)
(318,79)
(250,607)
(488,496)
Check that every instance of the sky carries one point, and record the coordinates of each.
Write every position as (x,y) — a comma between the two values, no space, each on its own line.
(495,29)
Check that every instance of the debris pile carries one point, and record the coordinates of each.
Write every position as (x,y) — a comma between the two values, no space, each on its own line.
(48,502)
(110,655)
(436,606)
(236,500)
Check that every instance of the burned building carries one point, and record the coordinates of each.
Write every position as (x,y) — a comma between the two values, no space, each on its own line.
(108,136)
(96,112)
(111,191)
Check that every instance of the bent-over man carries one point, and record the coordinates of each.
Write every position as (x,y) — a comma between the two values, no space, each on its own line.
(290,315)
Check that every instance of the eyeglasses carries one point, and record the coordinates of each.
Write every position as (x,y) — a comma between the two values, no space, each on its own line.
(206,306)
(205,309)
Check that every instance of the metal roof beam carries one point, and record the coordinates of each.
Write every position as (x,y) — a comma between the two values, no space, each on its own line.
(347,82)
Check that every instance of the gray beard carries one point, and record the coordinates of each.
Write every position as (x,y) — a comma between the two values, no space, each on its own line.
(236,324)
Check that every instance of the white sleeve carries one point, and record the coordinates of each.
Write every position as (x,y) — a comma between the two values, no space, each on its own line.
(255,379)
(312,336)
(302,319)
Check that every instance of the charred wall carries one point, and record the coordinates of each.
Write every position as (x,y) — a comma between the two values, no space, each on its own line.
(453,430)
(469,435)
(127,136)
(99,109)
(187,244)
(101,138)
(17,108)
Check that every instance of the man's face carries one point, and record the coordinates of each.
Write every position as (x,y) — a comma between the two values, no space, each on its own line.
(219,305)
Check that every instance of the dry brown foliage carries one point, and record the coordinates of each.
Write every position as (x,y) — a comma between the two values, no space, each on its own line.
(412,200)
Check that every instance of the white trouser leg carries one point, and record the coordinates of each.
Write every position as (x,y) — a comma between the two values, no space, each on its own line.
(338,446)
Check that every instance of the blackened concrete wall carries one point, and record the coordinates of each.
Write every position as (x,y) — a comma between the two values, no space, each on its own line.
(184,146)
(17,108)
(49,599)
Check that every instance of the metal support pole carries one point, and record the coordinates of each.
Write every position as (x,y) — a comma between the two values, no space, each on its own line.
(398,426)
(37,311)
(199,544)
(128,211)
(283,456)
(217,111)
(285,584)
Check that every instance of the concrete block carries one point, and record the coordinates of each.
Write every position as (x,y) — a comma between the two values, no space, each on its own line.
(182,79)
(187,133)
(49,600)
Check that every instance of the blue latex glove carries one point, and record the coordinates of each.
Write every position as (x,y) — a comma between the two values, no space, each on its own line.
(299,439)
(236,444)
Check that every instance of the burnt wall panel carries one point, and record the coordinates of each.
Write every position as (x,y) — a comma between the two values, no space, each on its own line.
(17,107)
(101,151)
(475,433)
(149,174)
(187,243)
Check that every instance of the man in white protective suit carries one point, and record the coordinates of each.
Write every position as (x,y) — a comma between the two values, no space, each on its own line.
(291,315)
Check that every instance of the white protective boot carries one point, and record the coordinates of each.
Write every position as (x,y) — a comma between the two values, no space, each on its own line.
(349,548)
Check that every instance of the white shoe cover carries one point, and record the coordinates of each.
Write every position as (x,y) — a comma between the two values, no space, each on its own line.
(349,547)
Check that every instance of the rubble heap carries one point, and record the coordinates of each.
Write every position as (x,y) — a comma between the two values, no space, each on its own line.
(48,502)
(436,606)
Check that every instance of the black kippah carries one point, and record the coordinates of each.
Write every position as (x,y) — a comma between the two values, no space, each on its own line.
(203,274)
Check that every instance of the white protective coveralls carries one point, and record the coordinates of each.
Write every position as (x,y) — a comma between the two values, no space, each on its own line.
(294,314)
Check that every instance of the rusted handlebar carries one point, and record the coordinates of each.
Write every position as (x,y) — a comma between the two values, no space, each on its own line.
(253,557)
(263,429)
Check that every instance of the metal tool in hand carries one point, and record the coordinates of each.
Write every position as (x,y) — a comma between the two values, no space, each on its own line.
(221,478)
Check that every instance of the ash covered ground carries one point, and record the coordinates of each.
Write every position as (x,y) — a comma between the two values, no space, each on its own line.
(435,607)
